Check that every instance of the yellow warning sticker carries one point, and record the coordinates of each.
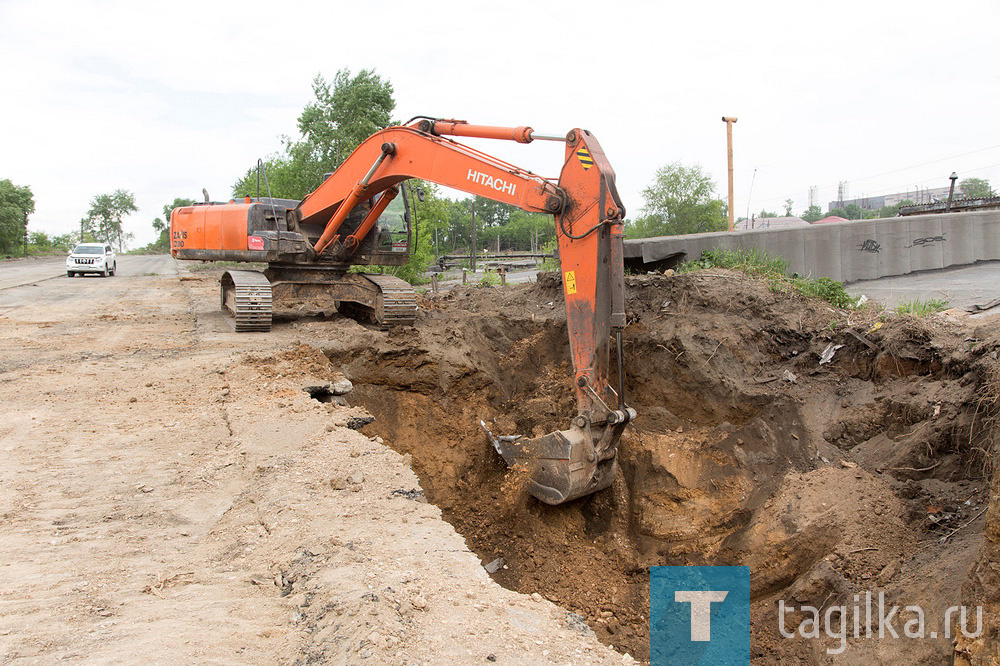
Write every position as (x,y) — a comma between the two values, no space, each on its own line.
(570,282)
(585,158)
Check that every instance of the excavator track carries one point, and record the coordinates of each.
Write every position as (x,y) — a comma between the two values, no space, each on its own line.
(397,305)
(246,297)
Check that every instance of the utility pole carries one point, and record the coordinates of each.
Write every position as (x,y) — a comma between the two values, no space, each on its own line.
(729,120)
(26,233)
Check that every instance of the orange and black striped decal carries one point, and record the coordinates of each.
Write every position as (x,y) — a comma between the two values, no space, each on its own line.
(583,155)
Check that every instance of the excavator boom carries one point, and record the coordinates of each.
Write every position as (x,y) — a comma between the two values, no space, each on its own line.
(579,460)
(565,464)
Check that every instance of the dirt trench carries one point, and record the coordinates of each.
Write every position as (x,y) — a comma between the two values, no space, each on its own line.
(821,478)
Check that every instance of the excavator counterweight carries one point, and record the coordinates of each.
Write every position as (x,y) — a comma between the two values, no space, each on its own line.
(355,218)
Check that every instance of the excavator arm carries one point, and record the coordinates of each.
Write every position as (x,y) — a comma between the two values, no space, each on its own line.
(564,464)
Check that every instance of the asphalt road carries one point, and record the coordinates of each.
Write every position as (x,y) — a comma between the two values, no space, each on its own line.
(958,286)
(22,282)
(22,272)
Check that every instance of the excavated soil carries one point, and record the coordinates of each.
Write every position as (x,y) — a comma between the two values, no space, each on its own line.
(868,472)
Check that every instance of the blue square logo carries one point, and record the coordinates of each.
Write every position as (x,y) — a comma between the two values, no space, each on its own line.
(699,615)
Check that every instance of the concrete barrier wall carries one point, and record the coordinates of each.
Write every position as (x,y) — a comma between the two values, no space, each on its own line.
(848,251)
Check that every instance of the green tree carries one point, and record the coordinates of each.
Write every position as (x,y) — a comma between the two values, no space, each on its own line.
(681,200)
(490,213)
(889,211)
(813,214)
(976,188)
(16,204)
(529,231)
(788,207)
(433,214)
(104,218)
(162,242)
(64,242)
(853,211)
(344,112)
(766,213)
(39,241)
(280,176)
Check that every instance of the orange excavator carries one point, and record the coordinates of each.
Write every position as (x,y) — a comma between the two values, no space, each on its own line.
(355,218)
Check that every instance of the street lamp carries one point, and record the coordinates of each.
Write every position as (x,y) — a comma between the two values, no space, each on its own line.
(951,192)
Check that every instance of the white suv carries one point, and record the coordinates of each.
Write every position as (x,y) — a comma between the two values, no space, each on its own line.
(91,258)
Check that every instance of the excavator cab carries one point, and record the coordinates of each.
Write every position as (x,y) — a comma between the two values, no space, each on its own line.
(393,228)
(263,230)
(387,244)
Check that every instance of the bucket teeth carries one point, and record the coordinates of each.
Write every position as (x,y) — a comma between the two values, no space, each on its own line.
(504,444)
(560,466)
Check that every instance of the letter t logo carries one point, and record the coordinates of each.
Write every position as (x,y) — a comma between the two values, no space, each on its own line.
(701,610)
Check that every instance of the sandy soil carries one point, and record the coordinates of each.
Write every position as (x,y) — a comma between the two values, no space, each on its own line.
(164,497)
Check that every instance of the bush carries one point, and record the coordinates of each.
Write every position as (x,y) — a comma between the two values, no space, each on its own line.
(919,308)
(751,261)
(488,280)
(825,289)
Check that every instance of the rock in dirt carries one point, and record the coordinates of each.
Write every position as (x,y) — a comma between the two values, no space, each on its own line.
(495,565)
(357,478)
(341,387)
(358,422)
(577,622)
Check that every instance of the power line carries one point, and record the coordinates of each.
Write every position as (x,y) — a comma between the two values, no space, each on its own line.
(886,173)
(893,190)
(917,166)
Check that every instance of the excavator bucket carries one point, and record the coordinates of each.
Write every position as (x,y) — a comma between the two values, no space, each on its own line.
(562,465)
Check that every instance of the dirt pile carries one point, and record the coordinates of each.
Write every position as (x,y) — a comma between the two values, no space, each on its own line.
(826,478)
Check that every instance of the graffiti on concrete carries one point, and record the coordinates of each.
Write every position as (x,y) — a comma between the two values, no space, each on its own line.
(917,242)
(870,245)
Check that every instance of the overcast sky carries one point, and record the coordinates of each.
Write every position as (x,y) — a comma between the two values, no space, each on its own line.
(166,98)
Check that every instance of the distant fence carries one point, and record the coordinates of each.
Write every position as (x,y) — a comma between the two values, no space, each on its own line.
(845,251)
